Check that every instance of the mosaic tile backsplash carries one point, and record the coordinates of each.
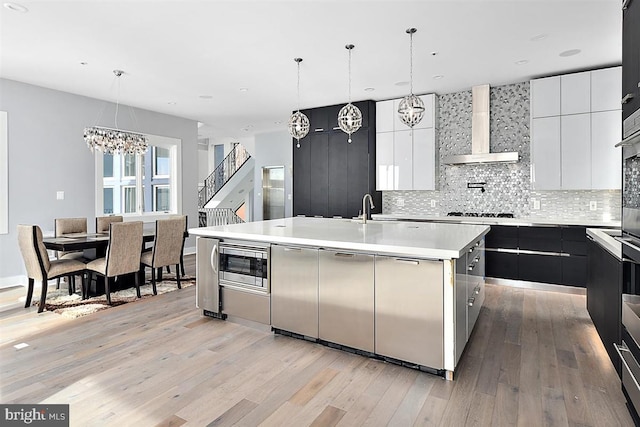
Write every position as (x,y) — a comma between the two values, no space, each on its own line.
(508,186)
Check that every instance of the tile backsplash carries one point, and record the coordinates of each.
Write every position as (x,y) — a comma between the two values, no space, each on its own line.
(508,186)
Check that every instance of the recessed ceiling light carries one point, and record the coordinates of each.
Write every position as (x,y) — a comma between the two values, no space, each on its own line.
(538,37)
(438,76)
(16,7)
(278,122)
(84,63)
(244,89)
(171,103)
(401,83)
(522,62)
(434,53)
(205,97)
(369,89)
(570,52)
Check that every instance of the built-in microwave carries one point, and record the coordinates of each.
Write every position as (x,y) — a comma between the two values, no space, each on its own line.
(244,265)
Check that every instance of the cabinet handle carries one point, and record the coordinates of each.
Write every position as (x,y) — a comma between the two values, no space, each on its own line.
(318,130)
(336,128)
(343,255)
(628,97)
(476,259)
(214,256)
(470,268)
(471,250)
(471,301)
(625,5)
(476,290)
(407,261)
(286,249)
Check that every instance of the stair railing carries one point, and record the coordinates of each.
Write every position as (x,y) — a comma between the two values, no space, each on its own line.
(218,216)
(222,174)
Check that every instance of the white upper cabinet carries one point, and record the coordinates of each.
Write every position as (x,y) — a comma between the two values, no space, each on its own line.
(545,97)
(575,93)
(606,86)
(575,151)
(384,116)
(406,159)
(606,158)
(545,153)
(575,134)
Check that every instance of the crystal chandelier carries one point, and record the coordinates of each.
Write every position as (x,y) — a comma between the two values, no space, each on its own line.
(349,117)
(115,141)
(411,108)
(298,122)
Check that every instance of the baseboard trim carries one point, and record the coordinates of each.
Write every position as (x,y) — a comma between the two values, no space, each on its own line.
(537,286)
(11,281)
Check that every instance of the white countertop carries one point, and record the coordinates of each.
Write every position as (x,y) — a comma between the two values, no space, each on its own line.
(424,240)
(531,221)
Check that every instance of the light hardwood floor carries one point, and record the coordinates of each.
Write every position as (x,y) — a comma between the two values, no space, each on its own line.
(534,359)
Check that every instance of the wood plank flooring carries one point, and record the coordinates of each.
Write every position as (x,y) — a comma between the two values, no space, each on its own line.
(534,359)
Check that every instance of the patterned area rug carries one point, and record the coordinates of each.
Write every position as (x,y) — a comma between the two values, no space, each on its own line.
(73,306)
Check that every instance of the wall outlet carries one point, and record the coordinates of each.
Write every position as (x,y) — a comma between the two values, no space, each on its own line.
(60,195)
(401,203)
(593,205)
(536,204)
(433,203)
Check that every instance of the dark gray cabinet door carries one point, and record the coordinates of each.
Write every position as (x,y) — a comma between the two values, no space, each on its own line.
(338,175)
(302,177)
(631,57)
(319,174)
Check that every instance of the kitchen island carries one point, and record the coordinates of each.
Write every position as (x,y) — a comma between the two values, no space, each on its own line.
(406,292)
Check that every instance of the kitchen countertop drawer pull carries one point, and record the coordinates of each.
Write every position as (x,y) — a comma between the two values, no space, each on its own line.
(407,261)
(336,128)
(620,349)
(318,130)
(288,249)
(628,97)
(470,267)
(470,301)
(344,255)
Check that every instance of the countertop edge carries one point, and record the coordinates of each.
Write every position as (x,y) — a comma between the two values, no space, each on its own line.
(527,222)
(606,240)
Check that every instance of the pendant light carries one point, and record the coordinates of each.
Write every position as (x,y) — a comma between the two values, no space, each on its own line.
(298,122)
(411,107)
(349,117)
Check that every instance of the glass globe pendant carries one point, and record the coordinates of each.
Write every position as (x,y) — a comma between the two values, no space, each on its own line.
(298,122)
(349,116)
(411,108)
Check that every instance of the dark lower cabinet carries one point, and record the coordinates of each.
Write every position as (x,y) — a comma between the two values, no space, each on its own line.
(604,294)
(555,255)
(501,264)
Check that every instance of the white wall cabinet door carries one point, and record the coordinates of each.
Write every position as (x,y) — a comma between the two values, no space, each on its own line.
(384,161)
(424,166)
(575,135)
(575,93)
(545,153)
(427,118)
(606,86)
(606,159)
(545,97)
(384,116)
(403,160)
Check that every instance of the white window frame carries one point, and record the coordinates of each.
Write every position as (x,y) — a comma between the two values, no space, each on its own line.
(153,190)
(112,191)
(175,182)
(153,164)
(123,167)
(123,198)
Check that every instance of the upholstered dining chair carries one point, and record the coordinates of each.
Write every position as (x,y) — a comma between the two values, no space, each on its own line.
(102,222)
(185,218)
(123,255)
(167,248)
(64,226)
(38,265)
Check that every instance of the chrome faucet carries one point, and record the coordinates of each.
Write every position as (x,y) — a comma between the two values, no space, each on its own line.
(364,207)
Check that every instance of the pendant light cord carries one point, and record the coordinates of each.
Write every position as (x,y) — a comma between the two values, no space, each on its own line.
(350,75)
(298,85)
(117,102)
(411,61)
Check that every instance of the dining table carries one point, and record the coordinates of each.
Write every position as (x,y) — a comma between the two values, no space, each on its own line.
(86,242)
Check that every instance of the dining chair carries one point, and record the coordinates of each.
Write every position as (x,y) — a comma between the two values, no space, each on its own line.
(102,222)
(185,218)
(123,255)
(38,265)
(62,226)
(167,248)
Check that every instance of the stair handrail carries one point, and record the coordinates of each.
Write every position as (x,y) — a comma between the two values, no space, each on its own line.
(222,174)
(218,216)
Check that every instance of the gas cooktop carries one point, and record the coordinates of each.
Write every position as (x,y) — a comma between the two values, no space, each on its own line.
(482,214)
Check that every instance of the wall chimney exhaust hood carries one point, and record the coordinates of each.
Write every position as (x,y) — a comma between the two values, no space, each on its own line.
(480,134)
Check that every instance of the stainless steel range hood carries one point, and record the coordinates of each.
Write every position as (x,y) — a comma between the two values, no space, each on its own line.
(480,134)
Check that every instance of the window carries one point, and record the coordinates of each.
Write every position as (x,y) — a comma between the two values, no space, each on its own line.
(161,199)
(160,161)
(129,199)
(146,185)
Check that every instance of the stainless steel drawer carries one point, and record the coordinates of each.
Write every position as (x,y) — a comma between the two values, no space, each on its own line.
(246,304)
(630,373)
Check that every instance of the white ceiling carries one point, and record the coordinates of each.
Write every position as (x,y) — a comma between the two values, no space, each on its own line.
(175,52)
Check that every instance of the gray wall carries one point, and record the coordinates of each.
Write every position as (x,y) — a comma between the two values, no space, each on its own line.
(47,154)
(272,149)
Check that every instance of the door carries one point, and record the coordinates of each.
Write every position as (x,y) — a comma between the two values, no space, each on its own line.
(545,153)
(207,291)
(273,192)
(576,151)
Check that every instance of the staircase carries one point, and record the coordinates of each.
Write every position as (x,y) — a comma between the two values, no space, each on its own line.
(222,174)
